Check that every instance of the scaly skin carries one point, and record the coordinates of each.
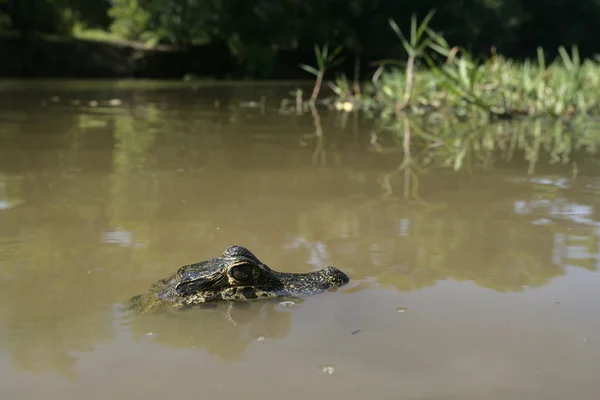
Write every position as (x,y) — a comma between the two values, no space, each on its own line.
(237,275)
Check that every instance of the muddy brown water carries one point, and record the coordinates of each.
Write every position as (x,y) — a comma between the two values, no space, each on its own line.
(469,285)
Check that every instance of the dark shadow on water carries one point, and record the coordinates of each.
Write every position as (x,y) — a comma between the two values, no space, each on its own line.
(223,329)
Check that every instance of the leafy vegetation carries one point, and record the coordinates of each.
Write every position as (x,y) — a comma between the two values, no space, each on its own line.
(451,80)
(324,61)
(257,32)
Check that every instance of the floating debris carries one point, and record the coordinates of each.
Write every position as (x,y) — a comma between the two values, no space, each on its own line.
(401,309)
(327,369)
(287,303)
(542,221)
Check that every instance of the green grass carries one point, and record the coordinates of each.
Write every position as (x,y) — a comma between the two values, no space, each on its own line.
(89,35)
(98,35)
(438,77)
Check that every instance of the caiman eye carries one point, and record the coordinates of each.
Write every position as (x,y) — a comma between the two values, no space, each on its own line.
(242,273)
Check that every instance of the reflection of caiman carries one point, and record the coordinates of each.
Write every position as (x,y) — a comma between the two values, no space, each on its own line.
(237,275)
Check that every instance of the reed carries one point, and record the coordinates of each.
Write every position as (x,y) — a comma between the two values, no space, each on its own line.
(438,77)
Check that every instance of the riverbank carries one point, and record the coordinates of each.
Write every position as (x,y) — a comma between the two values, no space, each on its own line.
(44,56)
(67,57)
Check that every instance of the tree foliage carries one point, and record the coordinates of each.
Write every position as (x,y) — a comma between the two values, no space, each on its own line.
(256,30)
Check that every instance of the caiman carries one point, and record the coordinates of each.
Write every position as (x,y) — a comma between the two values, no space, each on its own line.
(237,275)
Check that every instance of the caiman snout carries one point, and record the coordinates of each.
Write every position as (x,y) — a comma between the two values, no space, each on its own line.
(303,284)
(335,277)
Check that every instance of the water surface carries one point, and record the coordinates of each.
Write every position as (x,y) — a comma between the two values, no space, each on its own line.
(474,284)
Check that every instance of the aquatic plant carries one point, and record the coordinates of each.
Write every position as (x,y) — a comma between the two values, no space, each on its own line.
(439,77)
(325,60)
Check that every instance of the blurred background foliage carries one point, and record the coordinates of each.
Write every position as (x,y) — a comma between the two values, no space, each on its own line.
(254,31)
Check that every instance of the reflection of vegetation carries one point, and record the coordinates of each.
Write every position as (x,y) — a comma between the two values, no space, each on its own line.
(456,147)
(225,330)
(501,255)
(90,234)
(134,138)
(48,292)
(10,192)
(468,146)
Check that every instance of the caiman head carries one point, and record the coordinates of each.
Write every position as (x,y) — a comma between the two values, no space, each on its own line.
(238,275)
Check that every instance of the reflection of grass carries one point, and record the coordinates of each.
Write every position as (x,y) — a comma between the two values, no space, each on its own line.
(444,243)
(10,191)
(134,140)
(361,234)
(462,243)
(467,146)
